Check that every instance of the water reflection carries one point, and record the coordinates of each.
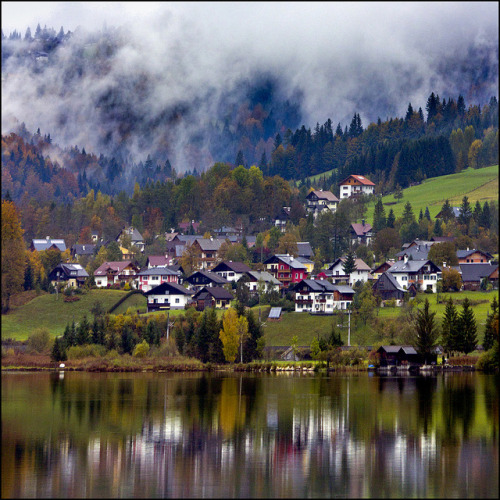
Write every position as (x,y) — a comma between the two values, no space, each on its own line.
(195,435)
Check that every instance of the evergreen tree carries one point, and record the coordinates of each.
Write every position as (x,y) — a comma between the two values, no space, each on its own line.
(485,219)
(427,214)
(465,212)
(391,219)
(379,220)
(432,107)
(82,332)
(489,332)
(407,217)
(127,340)
(59,350)
(349,264)
(409,112)
(277,141)
(239,159)
(420,216)
(476,214)
(467,328)
(447,212)
(426,331)
(449,327)
(398,192)
(437,230)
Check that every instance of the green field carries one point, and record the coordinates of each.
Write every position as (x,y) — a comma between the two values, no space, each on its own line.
(50,312)
(478,185)
(308,327)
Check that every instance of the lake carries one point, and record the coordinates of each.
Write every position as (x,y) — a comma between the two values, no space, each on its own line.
(78,434)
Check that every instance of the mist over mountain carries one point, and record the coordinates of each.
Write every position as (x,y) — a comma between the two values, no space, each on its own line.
(195,89)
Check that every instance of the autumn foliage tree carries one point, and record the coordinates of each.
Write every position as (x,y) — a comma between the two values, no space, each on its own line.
(13,253)
(229,335)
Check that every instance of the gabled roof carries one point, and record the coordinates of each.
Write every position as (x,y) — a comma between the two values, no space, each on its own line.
(385,265)
(286,259)
(361,229)
(462,254)
(211,276)
(322,195)
(172,288)
(321,286)
(45,243)
(475,272)
(363,180)
(389,349)
(217,292)
(411,266)
(134,234)
(209,244)
(392,280)
(419,252)
(158,260)
(84,249)
(361,265)
(72,270)
(158,271)
(263,275)
(304,249)
(237,267)
(114,266)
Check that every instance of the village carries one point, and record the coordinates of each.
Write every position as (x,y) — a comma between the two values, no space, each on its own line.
(210,281)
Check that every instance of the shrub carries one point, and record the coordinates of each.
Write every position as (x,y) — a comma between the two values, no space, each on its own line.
(488,360)
(72,298)
(167,349)
(141,350)
(85,351)
(126,286)
(39,340)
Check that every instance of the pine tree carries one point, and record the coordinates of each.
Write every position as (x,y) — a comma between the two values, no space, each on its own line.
(239,159)
(391,218)
(489,331)
(379,220)
(449,327)
(407,217)
(127,340)
(59,350)
(447,211)
(426,331)
(485,219)
(82,332)
(467,328)
(437,230)
(465,212)
(476,214)
(349,264)
(420,216)
(427,214)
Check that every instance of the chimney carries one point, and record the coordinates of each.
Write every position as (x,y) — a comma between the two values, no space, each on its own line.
(406,258)
(444,264)
(363,222)
(48,238)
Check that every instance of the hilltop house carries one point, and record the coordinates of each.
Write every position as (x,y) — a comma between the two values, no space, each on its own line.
(473,256)
(354,185)
(321,296)
(208,250)
(110,273)
(85,250)
(252,278)
(135,237)
(318,201)
(377,271)
(73,274)
(167,296)
(282,218)
(286,269)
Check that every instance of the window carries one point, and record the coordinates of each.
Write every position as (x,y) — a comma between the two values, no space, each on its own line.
(176,301)
(404,278)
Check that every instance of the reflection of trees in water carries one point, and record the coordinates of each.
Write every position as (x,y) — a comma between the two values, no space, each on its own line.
(426,387)
(458,403)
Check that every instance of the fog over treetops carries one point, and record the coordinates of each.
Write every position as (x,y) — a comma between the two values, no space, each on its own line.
(197,82)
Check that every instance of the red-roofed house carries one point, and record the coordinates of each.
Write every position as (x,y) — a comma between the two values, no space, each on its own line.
(355,185)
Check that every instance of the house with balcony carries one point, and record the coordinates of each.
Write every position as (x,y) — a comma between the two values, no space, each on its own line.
(212,296)
(286,269)
(361,233)
(318,201)
(167,296)
(208,249)
(109,273)
(74,275)
(335,272)
(200,279)
(321,296)
(152,277)
(356,185)
(423,274)
(387,288)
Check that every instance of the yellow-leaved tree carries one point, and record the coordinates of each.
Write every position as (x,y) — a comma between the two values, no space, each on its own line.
(229,335)
(13,253)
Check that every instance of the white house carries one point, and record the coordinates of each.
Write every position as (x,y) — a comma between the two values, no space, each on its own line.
(230,270)
(251,280)
(321,296)
(362,272)
(168,296)
(423,273)
(149,278)
(318,201)
(355,185)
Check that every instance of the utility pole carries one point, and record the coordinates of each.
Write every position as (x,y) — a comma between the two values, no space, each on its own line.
(349,331)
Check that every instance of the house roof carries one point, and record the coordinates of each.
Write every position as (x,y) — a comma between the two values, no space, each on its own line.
(85,249)
(361,265)
(158,271)
(209,244)
(361,229)
(475,272)
(115,266)
(217,292)
(462,254)
(385,265)
(170,287)
(158,260)
(392,280)
(304,249)
(264,276)
(411,266)
(186,225)
(323,195)
(45,243)
(389,349)
(286,259)
(72,270)
(237,267)
(361,179)
(134,234)
(324,286)
(419,252)
(211,276)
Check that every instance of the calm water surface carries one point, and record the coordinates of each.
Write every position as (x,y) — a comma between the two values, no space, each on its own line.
(198,435)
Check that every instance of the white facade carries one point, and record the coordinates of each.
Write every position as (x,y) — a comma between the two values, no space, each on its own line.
(173,300)
(426,281)
(318,302)
(346,191)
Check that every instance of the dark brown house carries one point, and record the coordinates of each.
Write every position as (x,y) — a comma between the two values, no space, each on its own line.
(388,288)
(212,296)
